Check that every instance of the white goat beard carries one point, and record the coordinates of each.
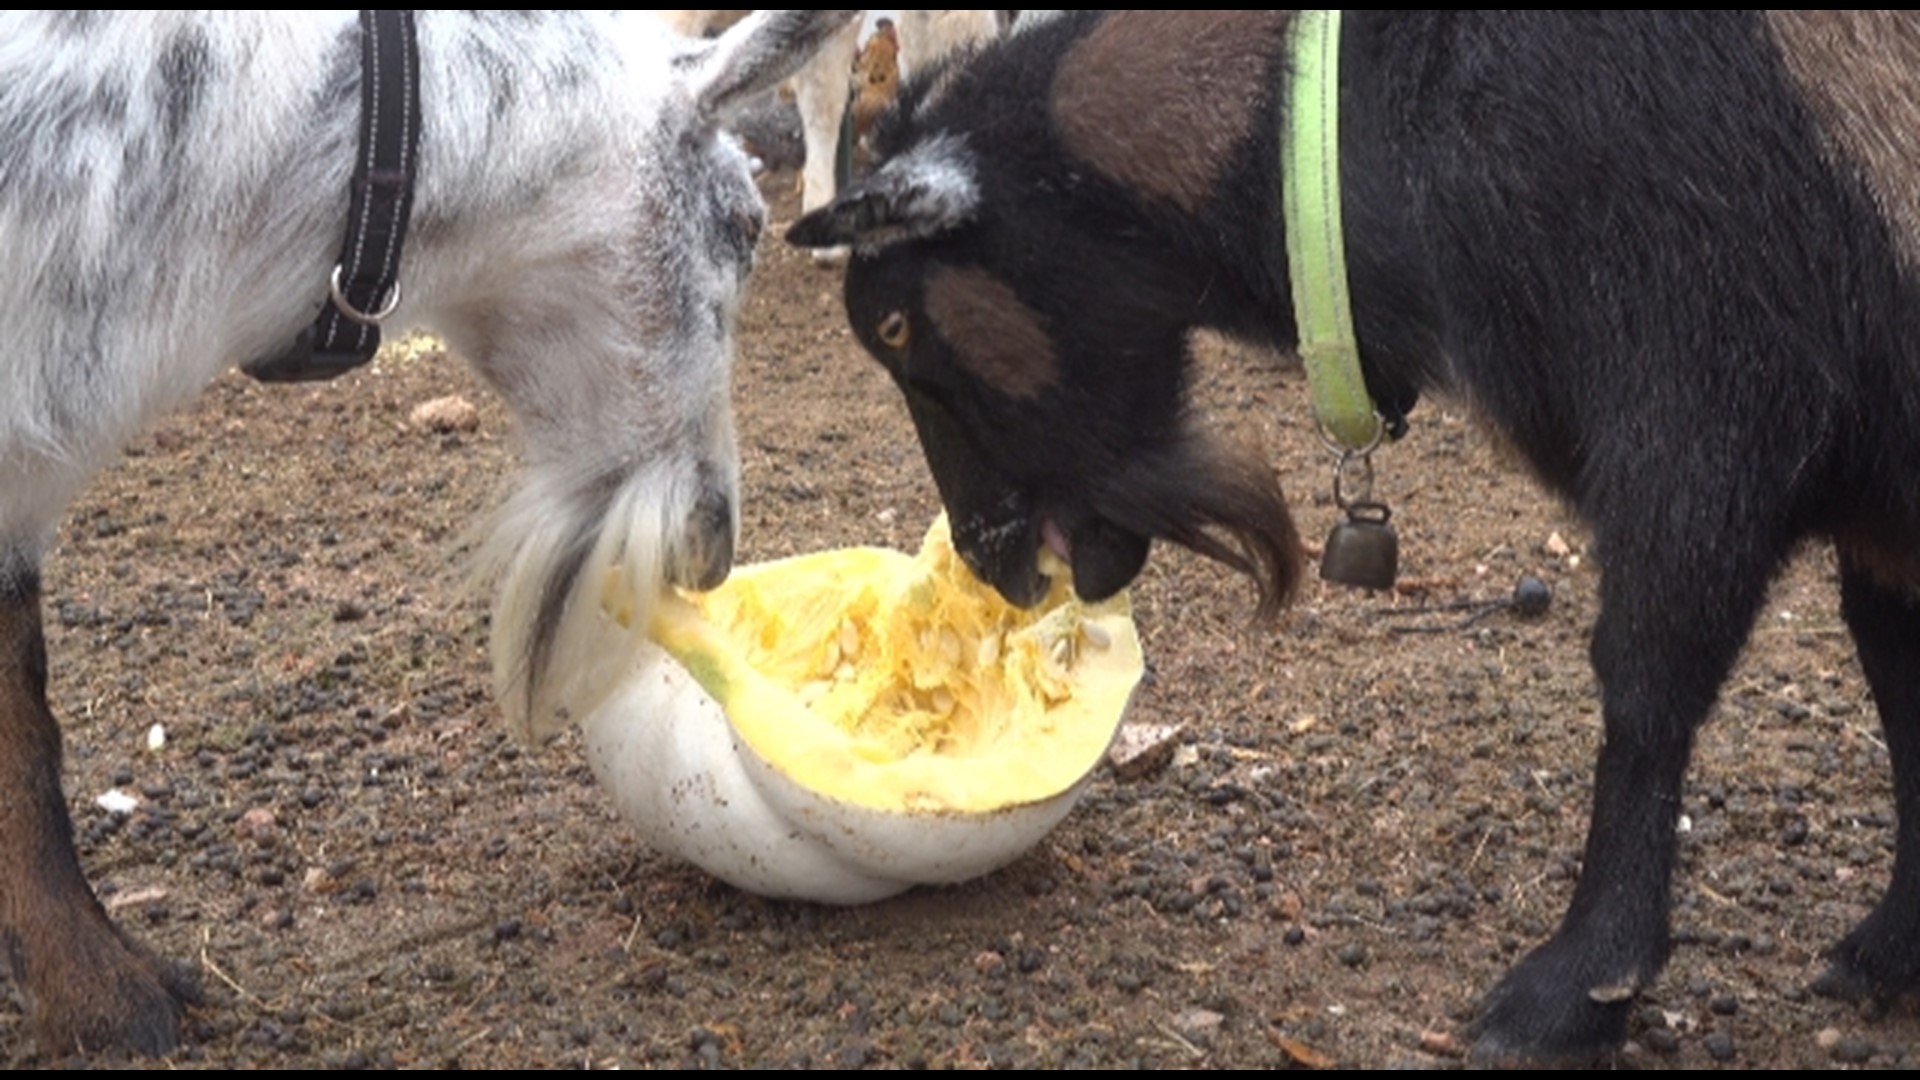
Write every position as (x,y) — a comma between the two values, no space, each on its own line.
(545,686)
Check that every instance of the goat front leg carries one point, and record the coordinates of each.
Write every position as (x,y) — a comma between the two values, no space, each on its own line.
(87,985)
(1673,617)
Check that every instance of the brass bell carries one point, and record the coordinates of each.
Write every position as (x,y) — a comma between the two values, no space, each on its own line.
(1362,551)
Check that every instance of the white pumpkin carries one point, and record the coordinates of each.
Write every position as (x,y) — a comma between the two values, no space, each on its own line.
(888,721)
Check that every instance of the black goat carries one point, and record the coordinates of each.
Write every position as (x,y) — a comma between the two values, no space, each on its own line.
(1674,256)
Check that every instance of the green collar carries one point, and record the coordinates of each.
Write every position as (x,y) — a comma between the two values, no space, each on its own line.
(1316,244)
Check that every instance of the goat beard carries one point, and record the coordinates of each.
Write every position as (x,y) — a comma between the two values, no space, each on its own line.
(1220,501)
(559,549)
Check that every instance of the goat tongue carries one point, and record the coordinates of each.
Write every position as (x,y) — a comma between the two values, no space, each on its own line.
(1056,540)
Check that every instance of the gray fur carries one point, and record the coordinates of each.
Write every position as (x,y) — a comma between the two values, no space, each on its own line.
(225,141)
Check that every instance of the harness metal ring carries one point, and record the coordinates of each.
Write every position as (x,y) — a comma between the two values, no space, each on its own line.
(1342,450)
(364,318)
(1363,475)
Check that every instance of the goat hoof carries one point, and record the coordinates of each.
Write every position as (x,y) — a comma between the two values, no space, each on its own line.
(1544,1013)
(1844,981)
(109,994)
(1871,965)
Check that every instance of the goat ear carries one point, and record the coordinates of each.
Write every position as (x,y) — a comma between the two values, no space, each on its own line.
(924,192)
(754,56)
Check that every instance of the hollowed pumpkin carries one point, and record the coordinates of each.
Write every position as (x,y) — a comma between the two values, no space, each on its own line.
(842,725)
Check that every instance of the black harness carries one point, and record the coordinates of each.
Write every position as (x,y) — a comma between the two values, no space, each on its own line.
(364,287)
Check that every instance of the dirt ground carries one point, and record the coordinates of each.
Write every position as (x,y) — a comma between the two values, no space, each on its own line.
(1375,811)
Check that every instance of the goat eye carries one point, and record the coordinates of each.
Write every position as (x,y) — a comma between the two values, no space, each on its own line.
(893,330)
(749,225)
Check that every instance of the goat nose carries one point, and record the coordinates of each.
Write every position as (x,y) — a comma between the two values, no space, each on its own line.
(706,555)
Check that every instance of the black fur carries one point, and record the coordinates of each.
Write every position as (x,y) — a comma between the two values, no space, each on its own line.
(1625,237)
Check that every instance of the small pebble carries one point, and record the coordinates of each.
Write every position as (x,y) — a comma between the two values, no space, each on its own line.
(445,415)
(1197,1023)
(257,822)
(1442,1044)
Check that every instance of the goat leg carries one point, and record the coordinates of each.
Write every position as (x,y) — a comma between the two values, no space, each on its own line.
(87,985)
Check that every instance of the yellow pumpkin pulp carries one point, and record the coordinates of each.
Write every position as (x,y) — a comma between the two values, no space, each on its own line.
(904,684)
